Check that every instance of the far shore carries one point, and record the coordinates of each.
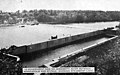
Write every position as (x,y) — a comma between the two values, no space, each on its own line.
(51,23)
(7,25)
(65,23)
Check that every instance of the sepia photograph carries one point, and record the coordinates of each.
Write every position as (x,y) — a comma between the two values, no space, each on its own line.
(52,37)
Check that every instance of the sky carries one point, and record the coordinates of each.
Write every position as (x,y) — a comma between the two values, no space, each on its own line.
(105,5)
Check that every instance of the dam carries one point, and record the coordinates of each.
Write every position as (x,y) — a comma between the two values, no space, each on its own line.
(43,58)
(30,39)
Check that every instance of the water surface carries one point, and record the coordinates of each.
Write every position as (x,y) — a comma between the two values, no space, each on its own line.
(16,35)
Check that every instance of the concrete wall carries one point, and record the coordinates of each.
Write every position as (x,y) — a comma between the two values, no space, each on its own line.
(20,50)
(56,42)
(43,45)
(52,43)
(61,41)
(74,38)
(68,39)
(36,47)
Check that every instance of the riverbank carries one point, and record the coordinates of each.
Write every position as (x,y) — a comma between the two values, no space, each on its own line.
(67,23)
(105,59)
(8,25)
(9,64)
(53,23)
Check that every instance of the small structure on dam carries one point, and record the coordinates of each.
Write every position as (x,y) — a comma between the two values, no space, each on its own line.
(54,37)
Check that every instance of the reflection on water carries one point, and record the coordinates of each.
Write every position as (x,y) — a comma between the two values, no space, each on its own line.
(17,35)
(46,57)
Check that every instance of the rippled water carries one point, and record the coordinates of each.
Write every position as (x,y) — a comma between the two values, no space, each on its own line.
(16,35)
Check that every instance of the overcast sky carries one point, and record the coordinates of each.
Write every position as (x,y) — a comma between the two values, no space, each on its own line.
(14,5)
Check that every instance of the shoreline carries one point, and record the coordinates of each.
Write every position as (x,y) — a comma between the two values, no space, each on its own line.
(51,23)
(65,23)
(8,25)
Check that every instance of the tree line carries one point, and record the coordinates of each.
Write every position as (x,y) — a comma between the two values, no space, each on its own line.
(64,16)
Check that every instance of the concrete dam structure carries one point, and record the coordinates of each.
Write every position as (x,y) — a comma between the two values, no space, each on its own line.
(61,54)
(54,43)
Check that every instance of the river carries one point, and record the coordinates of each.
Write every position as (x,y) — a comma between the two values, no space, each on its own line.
(17,35)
